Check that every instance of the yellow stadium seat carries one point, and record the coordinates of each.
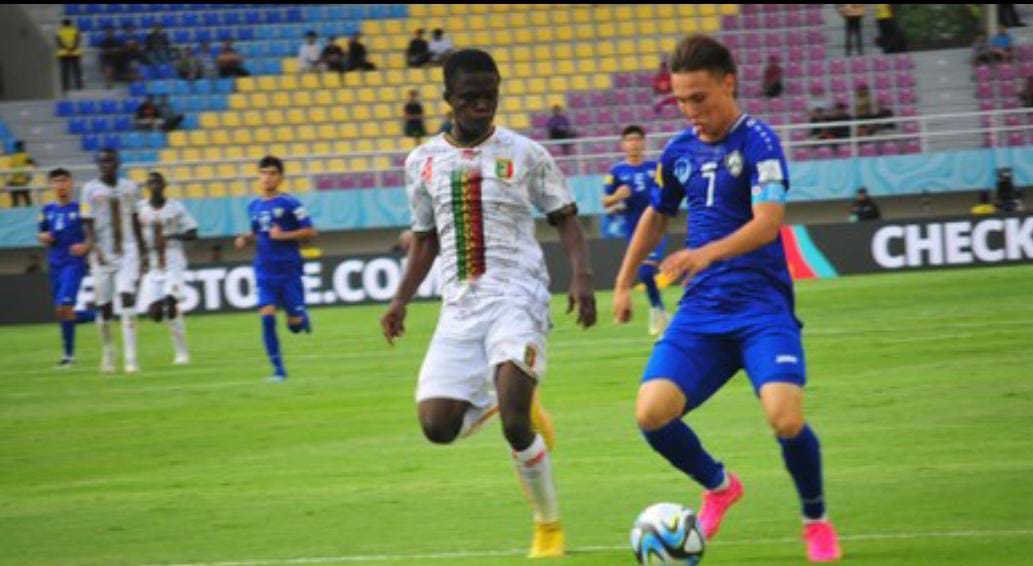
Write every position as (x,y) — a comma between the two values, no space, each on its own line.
(605,49)
(544,35)
(196,190)
(317,115)
(209,120)
(335,165)
(231,119)
(191,154)
(709,24)
(342,147)
(331,80)
(310,81)
(519,121)
(326,132)
(259,151)
(515,87)
(247,84)
(177,139)
(353,80)
(338,114)
(537,86)
(358,164)
(364,145)
(506,70)
(487,8)
(688,10)
(555,100)
(226,170)
(395,60)
(416,77)
(521,53)
(258,100)
(275,117)
(268,83)
(545,68)
(584,15)
(627,47)
(395,77)
(512,104)
(608,29)
(373,28)
(558,84)
(503,36)
(665,11)
(203,171)
(565,67)
(644,12)
(220,137)
(237,151)
(392,93)
(502,55)
(392,128)
(301,99)
(370,130)
(279,149)
(629,63)
(137,175)
(729,9)
(384,112)
(387,143)
(180,174)
(290,66)
(564,33)
(601,82)
(348,131)
(580,82)
(623,13)
(604,13)
(535,103)
(253,118)
(366,95)
(477,21)
(323,97)
(323,147)
(482,37)
(284,134)
(382,163)
(543,52)
(648,45)
(169,155)
(296,116)
(707,10)
(586,66)
(198,138)
(174,191)
(216,189)
(263,135)
(238,188)
(281,100)
(306,132)
(375,78)
(238,101)
(523,70)
(298,149)
(379,43)
(344,96)
(585,50)
(288,82)
(301,184)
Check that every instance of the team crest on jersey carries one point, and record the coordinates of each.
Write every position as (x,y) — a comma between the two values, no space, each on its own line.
(683,169)
(277,212)
(504,168)
(733,163)
(530,355)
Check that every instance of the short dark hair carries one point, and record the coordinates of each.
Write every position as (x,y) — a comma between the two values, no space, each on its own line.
(700,52)
(633,129)
(156,174)
(108,150)
(468,61)
(58,172)
(271,161)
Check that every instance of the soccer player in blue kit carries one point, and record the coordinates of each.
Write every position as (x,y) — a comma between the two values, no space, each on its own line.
(629,189)
(737,311)
(278,224)
(60,229)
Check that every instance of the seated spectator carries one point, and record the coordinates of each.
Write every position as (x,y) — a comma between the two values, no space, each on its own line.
(981,53)
(772,84)
(310,55)
(863,110)
(662,88)
(230,63)
(188,65)
(1026,96)
(440,47)
(110,54)
(446,124)
(158,47)
(559,128)
(840,114)
(133,56)
(864,208)
(985,206)
(414,126)
(358,57)
(884,112)
(418,53)
(170,119)
(1007,197)
(20,159)
(819,132)
(147,115)
(209,69)
(333,56)
(1001,46)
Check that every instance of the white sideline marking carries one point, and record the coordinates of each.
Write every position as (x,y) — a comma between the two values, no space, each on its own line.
(592,549)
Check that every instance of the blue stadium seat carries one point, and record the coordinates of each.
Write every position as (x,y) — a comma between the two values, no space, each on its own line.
(109,106)
(357,12)
(85,24)
(398,11)
(180,87)
(378,12)
(314,13)
(64,108)
(252,17)
(93,8)
(73,9)
(210,19)
(147,21)
(202,34)
(224,86)
(219,103)
(167,71)
(133,140)
(99,126)
(86,108)
(105,22)
(148,73)
(231,19)
(293,15)
(191,122)
(195,103)
(201,86)
(223,34)
(91,143)
(123,123)
(156,140)
(181,36)
(138,8)
(189,20)
(139,88)
(245,34)
(77,126)
(273,17)
(159,87)
(129,105)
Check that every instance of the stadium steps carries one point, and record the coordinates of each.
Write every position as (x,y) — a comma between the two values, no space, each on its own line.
(945,87)
(44,134)
(48,18)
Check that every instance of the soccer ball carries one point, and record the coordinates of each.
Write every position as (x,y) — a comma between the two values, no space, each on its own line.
(667,533)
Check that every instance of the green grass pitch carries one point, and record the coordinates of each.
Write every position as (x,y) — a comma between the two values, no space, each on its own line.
(920,389)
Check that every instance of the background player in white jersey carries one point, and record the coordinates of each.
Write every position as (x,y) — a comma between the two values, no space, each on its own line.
(472,195)
(118,256)
(166,224)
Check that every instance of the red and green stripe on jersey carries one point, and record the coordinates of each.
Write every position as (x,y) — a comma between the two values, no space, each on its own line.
(468,210)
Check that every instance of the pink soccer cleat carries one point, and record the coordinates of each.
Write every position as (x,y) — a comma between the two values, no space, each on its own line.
(716,504)
(822,542)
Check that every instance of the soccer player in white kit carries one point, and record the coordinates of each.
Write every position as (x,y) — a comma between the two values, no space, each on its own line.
(166,224)
(472,195)
(109,211)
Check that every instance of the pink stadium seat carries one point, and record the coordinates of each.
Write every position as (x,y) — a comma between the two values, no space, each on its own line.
(815,19)
(1016,139)
(752,41)
(750,9)
(576,100)
(815,69)
(986,105)
(816,87)
(624,80)
(393,179)
(817,52)
(903,62)
(644,96)
(858,65)
(909,111)
(795,88)
(621,98)
(815,37)
(797,39)
(539,120)
(774,40)
(626,116)
(912,146)
(794,69)
(838,84)
(860,82)
(794,20)
(1024,52)
(881,64)
(889,148)
(868,150)
(883,82)
(905,80)
(599,98)
(1026,69)
(802,154)
(837,66)
(731,41)
(798,104)
(324,183)
(777,106)
(798,135)
(824,152)
(1008,90)
(911,127)
(1006,71)
(983,73)
(751,22)
(796,56)
(844,152)
(908,96)
(729,22)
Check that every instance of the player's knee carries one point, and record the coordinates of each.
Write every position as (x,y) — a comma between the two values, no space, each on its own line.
(439,431)
(107,311)
(652,417)
(646,272)
(518,431)
(171,309)
(786,424)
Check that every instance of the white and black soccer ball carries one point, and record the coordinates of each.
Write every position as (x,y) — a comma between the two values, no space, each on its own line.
(667,533)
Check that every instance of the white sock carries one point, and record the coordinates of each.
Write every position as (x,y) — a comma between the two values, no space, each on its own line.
(177,326)
(534,467)
(474,418)
(129,337)
(104,327)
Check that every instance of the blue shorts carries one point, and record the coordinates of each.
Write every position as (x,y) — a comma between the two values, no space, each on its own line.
(701,355)
(284,292)
(64,283)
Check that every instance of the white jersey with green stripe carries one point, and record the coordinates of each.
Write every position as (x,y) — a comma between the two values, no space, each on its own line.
(481,202)
(111,209)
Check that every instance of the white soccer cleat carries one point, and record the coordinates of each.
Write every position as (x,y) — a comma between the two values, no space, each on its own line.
(657,321)
(181,360)
(107,361)
(132,368)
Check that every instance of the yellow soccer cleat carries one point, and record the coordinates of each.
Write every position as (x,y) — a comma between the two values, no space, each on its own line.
(542,422)
(548,541)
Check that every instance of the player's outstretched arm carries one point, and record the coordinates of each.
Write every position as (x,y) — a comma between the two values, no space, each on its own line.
(186,236)
(244,240)
(581,293)
(622,193)
(650,230)
(425,247)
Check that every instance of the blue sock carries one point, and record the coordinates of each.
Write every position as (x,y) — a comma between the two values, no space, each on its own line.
(802,456)
(647,275)
(68,337)
(272,343)
(682,448)
(83,317)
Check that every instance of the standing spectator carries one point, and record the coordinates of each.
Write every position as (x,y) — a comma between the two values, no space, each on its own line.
(985,206)
(208,66)
(147,115)
(1026,96)
(170,119)
(1001,46)
(188,65)
(230,63)
(981,53)
(158,46)
(358,57)
(133,56)
(890,39)
(662,88)
(864,208)
(1007,197)
(818,131)
(333,56)
(863,110)
(440,47)
(559,128)
(110,54)
(310,54)
(418,53)
(853,15)
(446,124)
(69,54)
(884,112)
(414,126)
(20,159)
(772,78)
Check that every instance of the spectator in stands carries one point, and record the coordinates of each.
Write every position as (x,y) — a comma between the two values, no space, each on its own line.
(853,15)
(440,47)
(1007,16)
(985,206)
(133,56)
(884,112)
(188,65)
(890,39)
(414,125)
(170,119)
(20,159)
(560,129)
(310,54)
(230,63)
(864,207)
(863,110)
(1001,46)
(333,56)
(981,53)
(418,53)
(662,88)
(818,131)
(358,56)
(1026,96)
(446,124)
(147,115)
(110,52)
(840,114)
(208,66)
(69,54)
(158,46)
(772,84)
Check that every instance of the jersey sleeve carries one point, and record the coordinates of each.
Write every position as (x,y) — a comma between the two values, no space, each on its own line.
(252,218)
(86,204)
(135,197)
(610,181)
(421,206)
(300,214)
(546,185)
(44,224)
(669,192)
(766,165)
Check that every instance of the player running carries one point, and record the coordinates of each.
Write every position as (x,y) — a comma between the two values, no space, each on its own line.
(166,224)
(472,194)
(737,311)
(279,223)
(629,189)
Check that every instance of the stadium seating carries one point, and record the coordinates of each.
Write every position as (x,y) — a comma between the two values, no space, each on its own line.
(997,87)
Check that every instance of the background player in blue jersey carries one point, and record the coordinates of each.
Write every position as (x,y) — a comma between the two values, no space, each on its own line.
(278,224)
(629,189)
(60,229)
(737,312)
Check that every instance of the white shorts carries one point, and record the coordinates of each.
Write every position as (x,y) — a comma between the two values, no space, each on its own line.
(115,277)
(158,284)
(469,344)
